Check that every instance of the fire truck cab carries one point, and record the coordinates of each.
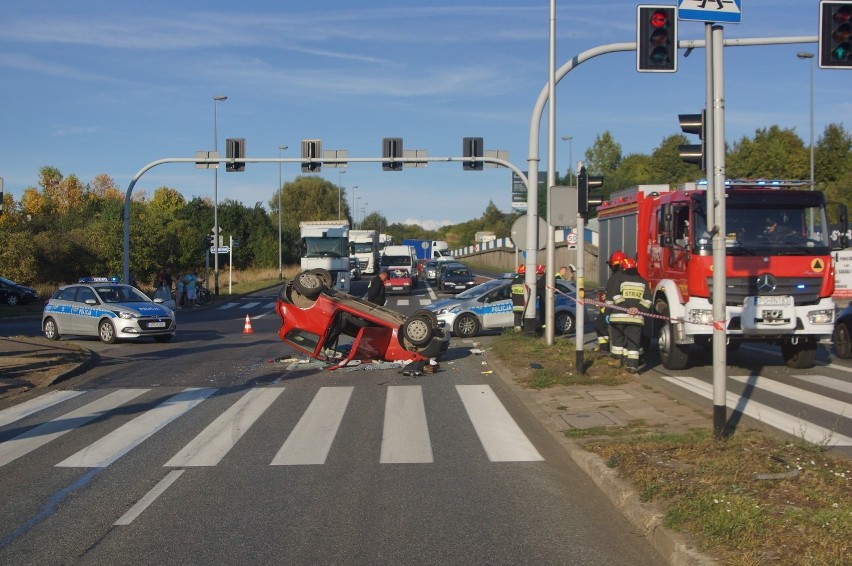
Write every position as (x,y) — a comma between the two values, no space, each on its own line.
(779,270)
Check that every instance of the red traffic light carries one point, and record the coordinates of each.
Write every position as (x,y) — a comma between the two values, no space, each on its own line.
(659,19)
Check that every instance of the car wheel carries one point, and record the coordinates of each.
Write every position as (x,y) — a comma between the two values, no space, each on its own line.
(433,318)
(308,284)
(106,332)
(466,326)
(417,330)
(842,341)
(12,299)
(163,338)
(324,276)
(564,322)
(51,331)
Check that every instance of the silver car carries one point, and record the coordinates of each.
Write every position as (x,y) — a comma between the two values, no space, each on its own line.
(103,307)
(488,306)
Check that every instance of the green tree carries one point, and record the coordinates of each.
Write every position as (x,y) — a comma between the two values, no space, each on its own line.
(774,153)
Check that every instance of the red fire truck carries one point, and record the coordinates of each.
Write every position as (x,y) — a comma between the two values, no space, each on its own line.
(780,275)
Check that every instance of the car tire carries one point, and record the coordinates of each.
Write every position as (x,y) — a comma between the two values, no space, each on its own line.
(324,276)
(106,332)
(564,322)
(433,318)
(307,283)
(164,338)
(842,341)
(418,330)
(13,300)
(466,326)
(51,330)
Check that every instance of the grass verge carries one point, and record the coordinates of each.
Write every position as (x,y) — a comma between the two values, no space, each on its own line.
(749,499)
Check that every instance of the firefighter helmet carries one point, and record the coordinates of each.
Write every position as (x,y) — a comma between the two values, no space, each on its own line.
(522,269)
(616,258)
(539,269)
(628,263)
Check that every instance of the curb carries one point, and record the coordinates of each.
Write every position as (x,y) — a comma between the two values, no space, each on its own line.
(645,517)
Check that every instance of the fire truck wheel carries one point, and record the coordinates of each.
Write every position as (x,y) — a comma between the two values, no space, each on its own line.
(673,356)
(799,356)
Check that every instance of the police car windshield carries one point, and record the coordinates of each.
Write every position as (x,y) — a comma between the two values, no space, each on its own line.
(120,294)
(481,289)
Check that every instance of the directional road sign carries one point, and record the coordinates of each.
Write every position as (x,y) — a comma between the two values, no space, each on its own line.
(219,250)
(727,11)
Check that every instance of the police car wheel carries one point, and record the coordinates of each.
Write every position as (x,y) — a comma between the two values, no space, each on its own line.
(564,322)
(106,332)
(51,331)
(466,326)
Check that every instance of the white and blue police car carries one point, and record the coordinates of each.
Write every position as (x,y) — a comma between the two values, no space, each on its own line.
(108,309)
(488,306)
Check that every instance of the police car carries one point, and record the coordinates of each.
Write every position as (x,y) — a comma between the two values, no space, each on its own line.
(108,309)
(488,306)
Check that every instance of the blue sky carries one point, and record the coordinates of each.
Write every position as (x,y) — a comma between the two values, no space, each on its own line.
(101,86)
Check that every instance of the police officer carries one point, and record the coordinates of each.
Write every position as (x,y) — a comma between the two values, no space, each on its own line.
(519,296)
(631,293)
(601,326)
(376,289)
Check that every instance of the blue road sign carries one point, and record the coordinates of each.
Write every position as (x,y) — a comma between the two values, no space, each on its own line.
(726,11)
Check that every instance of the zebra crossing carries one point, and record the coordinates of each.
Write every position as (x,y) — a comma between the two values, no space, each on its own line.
(405,436)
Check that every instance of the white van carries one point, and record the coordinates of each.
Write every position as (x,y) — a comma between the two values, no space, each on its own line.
(400,257)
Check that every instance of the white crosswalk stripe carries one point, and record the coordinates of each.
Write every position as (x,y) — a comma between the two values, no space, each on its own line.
(405,437)
(250,305)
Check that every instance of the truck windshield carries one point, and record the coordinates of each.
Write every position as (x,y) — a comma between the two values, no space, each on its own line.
(781,228)
(362,248)
(325,247)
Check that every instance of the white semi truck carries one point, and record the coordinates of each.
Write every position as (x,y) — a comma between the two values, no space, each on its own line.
(364,245)
(325,245)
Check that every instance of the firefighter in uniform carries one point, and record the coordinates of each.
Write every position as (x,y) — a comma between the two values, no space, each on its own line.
(601,327)
(630,292)
(519,296)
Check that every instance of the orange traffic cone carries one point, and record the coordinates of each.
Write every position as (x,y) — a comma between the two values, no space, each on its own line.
(247,329)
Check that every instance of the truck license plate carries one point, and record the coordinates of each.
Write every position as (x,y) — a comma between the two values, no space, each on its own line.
(775,301)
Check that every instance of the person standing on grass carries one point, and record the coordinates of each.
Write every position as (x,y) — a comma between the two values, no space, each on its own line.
(629,297)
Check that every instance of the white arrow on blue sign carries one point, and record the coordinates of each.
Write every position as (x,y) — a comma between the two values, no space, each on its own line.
(727,11)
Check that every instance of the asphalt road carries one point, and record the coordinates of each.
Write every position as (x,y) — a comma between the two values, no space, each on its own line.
(213,449)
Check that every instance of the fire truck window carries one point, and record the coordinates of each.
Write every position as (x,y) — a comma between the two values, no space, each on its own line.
(681,226)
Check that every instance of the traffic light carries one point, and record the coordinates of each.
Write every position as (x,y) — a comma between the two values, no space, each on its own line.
(235,149)
(208,241)
(392,147)
(586,183)
(311,149)
(693,124)
(656,39)
(472,147)
(835,35)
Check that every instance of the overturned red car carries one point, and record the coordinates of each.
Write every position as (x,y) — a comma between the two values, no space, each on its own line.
(335,327)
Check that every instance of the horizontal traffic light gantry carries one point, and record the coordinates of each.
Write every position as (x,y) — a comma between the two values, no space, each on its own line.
(835,35)
(656,39)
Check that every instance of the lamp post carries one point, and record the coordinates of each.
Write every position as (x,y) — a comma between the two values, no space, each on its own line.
(807,55)
(355,212)
(216,201)
(354,188)
(280,267)
(339,191)
(570,160)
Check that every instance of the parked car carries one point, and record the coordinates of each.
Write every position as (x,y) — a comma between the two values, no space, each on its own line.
(12,293)
(108,309)
(314,317)
(457,279)
(488,306)
(842,335)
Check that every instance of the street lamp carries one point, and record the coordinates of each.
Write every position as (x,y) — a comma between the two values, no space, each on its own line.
(339,191)
(354,213)
(280,267)
(363,213)
(807,55)
(216,201)
(570,160)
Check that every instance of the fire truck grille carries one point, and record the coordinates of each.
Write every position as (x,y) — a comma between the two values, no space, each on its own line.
(805,291)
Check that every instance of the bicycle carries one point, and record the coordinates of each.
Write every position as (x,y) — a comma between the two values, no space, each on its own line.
(203,295)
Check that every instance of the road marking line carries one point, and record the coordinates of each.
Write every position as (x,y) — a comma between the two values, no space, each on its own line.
(125,438)
(405,437)
(796,394)
(827,382)
(773,417)
(18,412)
(39,436)
(501,437)
(228,306)
(402,302)
(310,441)
(215,441)
(149,498)
(250,305)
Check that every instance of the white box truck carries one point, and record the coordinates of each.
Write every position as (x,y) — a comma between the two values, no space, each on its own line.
(364,244)
(325,245)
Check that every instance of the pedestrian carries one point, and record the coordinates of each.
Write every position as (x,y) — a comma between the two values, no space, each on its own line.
(566,273)
(191,289)
(629,297)
(180,290)
(519,296)
(601,326)
(376,289)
